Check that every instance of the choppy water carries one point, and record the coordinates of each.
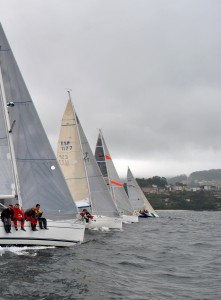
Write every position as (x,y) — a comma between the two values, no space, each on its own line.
(176,256)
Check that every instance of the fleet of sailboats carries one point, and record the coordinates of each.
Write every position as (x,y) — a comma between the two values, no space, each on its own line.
(112,180)
(82,173)
(137,198)
(30,173)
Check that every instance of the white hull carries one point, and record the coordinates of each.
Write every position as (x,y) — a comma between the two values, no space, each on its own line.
(103,221)
(59,233)
(130,218)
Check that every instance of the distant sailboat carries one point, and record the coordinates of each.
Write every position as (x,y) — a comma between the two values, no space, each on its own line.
(29,171)
(82,173)
(112,180)
(138,199)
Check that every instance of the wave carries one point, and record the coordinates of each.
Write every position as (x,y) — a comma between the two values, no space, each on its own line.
(25,250)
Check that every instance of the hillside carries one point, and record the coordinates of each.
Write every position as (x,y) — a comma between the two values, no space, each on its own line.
(185,199)
(212,177)
(200,200)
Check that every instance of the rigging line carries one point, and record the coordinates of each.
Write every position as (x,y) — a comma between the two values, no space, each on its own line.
(12,126)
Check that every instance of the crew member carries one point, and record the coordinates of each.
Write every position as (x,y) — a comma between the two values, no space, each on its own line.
(42,221)
(86,215)
(6,216)
(18,216)
(31,216)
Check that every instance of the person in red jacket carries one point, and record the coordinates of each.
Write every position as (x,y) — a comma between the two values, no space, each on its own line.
(86,215)
(18,216)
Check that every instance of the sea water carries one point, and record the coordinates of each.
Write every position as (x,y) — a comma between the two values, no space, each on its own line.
(176,256)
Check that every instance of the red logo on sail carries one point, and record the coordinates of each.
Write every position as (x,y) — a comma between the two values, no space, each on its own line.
(108,157)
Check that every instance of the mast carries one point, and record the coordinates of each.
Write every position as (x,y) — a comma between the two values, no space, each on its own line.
(9,133)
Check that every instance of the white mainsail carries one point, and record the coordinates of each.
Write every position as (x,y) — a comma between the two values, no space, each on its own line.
(70,158)
(80,168)
(111,177)
(136,196)
(36,176)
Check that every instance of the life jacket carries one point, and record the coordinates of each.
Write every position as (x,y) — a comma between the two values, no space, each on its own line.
(38,213)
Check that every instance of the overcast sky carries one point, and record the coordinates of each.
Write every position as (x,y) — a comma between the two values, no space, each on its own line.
(147,72)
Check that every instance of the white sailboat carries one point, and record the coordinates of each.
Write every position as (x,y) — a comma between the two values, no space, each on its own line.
(112,180)
(82,173)
(138,199)
(29,171)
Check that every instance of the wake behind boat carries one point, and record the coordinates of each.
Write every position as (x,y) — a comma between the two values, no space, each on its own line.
(82,173)
(29,171)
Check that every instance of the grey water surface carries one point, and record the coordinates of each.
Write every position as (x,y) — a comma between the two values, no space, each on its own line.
(176,256)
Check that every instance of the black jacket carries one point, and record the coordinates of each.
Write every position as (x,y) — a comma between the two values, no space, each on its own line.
(7,213)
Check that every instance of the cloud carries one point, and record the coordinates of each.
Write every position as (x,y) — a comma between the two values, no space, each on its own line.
(146,72)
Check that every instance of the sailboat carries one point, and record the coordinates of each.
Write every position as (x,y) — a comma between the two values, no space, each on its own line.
(138,199)
(112,180)
(82,173)
(29,171)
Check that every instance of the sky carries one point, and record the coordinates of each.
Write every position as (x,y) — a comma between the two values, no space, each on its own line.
(147,72)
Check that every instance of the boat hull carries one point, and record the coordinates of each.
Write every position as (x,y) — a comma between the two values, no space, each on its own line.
(130,218)
(147,215)
(144,216)
(59,234)
(103,221)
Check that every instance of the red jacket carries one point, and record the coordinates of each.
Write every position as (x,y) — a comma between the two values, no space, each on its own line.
(18,212)
(86,214)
